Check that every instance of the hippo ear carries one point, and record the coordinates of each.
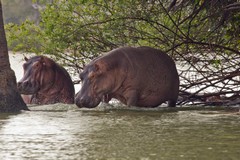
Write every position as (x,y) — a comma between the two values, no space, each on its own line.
(96,67)
(42,60)
(100,67)
(25,58)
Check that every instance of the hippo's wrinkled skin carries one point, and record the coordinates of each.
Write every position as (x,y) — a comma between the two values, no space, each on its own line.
(45,82)
(142,76)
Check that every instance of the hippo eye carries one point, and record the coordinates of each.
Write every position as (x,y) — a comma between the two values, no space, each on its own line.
(91,75)
(36,65)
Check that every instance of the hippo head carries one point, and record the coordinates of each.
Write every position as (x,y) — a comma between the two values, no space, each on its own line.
(96,83)
(38,71)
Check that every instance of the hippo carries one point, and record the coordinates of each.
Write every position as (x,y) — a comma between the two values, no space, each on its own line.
(136,76)
(45,82)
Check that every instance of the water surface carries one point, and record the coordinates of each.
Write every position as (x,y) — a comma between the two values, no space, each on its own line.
(66,132)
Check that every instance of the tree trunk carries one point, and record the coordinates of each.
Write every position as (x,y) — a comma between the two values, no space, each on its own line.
(10,99)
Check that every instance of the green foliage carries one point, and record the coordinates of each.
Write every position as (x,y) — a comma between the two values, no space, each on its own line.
(75,31)
(26,37)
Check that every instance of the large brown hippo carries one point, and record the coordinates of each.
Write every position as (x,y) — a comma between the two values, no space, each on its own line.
(142,76)
(46,82)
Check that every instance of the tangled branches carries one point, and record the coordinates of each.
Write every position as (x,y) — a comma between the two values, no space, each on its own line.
(209,68)
(209,78)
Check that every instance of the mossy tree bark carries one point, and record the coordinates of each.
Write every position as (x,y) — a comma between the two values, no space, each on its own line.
(10,99)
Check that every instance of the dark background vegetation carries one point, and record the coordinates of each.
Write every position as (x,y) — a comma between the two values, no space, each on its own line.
(202,36)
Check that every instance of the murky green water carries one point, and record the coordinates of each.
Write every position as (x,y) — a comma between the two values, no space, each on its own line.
(65,132)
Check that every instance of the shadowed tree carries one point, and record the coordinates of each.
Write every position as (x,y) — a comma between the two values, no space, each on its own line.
(10,99)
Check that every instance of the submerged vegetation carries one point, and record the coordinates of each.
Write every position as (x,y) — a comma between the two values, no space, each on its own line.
(201,35)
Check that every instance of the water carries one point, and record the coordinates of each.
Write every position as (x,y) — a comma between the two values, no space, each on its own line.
(66,132)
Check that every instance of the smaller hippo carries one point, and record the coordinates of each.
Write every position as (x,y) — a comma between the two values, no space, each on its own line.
(142,76)
(45,82)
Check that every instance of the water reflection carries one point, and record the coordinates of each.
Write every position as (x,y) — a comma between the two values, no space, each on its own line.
(65,132)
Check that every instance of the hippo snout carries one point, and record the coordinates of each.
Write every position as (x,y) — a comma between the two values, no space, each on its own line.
(81,102)
(23,84)
(26,87)
(87,102)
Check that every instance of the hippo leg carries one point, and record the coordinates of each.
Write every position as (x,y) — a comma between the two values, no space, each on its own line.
(131,97)
(172,103)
